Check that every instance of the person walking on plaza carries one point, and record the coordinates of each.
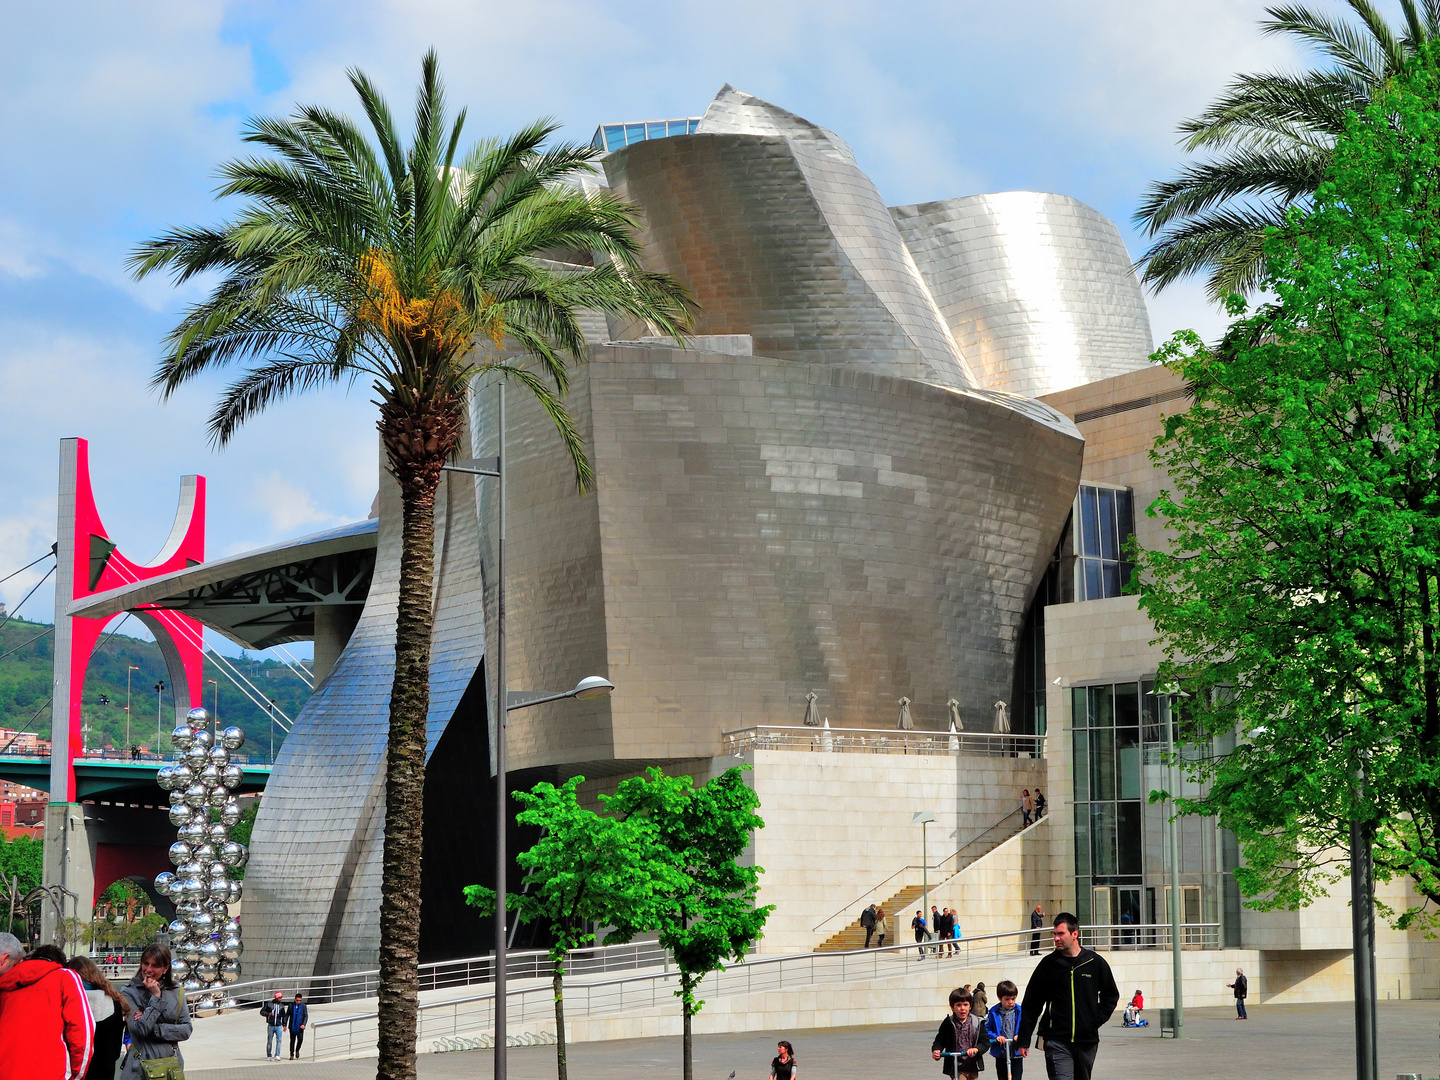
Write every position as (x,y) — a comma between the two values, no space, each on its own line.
(1241,986)
(882,927)
(783,1067)
(980,1001)
(961,1042)
(1001,1025)
(921,931)
(159,1020)
(945,931)
(274,1013)
(46,1029)
(1027,808)
(1070,996)
(867,923)
(935,927)
(107,1008)
(1037,920)
(298,1017)
(1039,804)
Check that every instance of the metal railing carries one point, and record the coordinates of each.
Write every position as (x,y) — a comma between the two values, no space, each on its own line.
(443,974)
(145,757)
(446,1020)
(881,741)
(896,881)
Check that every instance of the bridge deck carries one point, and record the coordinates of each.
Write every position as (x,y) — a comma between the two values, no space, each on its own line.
(99,776)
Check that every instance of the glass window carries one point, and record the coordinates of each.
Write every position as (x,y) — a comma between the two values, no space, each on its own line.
(655,131)
(1102,706)
(614,138)
(1102,764)
(1082,767)
(1082,902)
(1102,839)
(1128,837)
(1107,524)
(1082,840)
(1079,707)
(676,127)
(1127,705)
(1125,517)
(1094,580)
(634,133)
(1089,522)
(1111,584)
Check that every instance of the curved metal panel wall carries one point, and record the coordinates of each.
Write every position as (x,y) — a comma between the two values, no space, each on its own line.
(312,900)
(781,236)
(1037,289)
(761,528)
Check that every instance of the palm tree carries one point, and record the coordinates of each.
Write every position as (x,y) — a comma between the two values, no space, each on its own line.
(418,273)
(1271,137)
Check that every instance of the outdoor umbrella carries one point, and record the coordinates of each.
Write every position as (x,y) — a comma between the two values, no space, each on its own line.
(811,719)
(906,724)
(1002,718)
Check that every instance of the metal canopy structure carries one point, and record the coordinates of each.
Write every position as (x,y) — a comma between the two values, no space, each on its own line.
(260,598)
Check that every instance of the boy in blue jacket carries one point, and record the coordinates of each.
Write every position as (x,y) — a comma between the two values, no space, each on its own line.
(1001,1024)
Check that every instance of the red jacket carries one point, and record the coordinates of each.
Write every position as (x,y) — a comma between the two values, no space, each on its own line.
(47,1031)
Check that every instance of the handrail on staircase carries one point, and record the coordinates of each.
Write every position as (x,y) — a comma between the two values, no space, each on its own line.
(913,866)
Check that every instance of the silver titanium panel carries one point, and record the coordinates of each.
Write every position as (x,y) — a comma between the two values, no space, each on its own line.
(1037,289)
(761,528)
(312,889)
(771,223)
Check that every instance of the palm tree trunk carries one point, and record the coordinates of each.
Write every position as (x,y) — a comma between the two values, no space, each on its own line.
(557,980)
(417,444)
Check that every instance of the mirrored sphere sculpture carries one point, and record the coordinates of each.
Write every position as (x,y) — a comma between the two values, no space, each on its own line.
(192,986)
(164,883)
(197,794)
(231,776)
(180,852)
(230,813)
(232,738)
(166,777)
(181,814)
(179,968)
(182,736)
(218,755)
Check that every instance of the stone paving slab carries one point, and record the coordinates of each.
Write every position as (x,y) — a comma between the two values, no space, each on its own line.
(1310,1041)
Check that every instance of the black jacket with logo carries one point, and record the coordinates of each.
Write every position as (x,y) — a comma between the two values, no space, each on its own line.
(1068,999)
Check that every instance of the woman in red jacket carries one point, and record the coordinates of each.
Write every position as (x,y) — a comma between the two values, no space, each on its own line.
(46,1028)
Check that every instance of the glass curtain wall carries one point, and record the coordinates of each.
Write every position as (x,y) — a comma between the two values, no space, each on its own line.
(1121,871)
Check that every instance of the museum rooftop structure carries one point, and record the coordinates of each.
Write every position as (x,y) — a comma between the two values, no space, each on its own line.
(824,539)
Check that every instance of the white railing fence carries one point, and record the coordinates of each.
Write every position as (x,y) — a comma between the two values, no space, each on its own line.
(469,1018)
(882,741)
(530,964)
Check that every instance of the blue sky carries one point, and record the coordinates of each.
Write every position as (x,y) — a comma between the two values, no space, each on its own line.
(117,115)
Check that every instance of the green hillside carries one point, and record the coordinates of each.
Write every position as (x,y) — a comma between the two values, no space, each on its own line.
(27,656)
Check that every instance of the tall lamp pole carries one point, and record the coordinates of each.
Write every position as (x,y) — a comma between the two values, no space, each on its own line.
(1169,696)
(159,707)
(1362,930)
(506,703)
(133,668)
(215,683)
(923,818)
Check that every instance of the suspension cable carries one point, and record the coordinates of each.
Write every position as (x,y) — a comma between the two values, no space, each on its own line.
(47,555)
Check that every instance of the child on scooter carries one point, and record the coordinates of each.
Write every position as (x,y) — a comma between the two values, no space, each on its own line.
(1001,1025)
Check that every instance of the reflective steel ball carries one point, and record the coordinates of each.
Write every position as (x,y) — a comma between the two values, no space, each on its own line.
(218,755)
(165,777)
(230,813)
(181,852)
(204,738)
(182,736)
(232,776)
(197,795)
(190,871)
(177,797)
(237,890)
(232,738)
(191,986)
(164,883)
(233,854)
(179,967)
(192,889)
(218,907)
(181,814)
(197,717)
(229,974)
(230,948)
(206,970)
(217,833)
(203,924)
(219,797)
(193,830)
(210,776)
(194,756)
(184,775)
(230,928)
(179,930)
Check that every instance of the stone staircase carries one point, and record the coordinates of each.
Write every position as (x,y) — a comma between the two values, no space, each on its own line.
(899,906)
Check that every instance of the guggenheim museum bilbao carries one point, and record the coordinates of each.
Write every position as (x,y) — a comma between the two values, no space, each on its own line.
(887,484)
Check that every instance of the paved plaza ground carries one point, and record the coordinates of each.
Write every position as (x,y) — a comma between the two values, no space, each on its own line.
(1309,1041)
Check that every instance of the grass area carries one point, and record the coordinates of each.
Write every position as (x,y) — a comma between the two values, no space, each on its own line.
(26,670)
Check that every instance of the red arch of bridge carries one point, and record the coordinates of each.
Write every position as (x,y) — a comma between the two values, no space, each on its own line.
(97,565)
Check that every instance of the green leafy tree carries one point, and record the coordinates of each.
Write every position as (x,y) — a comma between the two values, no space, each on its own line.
(1270,138)
(143,931)
(706,914)
(22,857)
(417,269)
(586,870)
(1299,597)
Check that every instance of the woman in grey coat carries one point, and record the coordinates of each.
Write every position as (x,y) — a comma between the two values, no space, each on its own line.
(157,1018)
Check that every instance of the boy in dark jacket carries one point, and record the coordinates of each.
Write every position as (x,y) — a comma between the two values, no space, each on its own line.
(1001,1026)
(1070,995)
(963,1034)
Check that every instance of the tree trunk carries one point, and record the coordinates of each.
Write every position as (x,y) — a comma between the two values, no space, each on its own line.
(417,443)
(557,980)
(687,1040)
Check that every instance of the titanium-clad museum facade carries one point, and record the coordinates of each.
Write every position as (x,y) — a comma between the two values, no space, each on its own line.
(844,485)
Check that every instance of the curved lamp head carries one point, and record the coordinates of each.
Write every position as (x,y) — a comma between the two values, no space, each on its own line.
(592,687)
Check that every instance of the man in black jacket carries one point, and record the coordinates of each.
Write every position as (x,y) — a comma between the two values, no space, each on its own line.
(1069,996)
(867,923)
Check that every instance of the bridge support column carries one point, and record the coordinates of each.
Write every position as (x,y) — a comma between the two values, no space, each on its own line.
(69,862)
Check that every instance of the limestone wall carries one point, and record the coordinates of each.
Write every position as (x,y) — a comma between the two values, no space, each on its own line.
(838,824)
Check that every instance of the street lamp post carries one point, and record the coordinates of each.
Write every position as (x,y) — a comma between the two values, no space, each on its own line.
(272,731)
(159,714)
(133,668)
(1172,841)
(215,683)
(923,818)
(506,703)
